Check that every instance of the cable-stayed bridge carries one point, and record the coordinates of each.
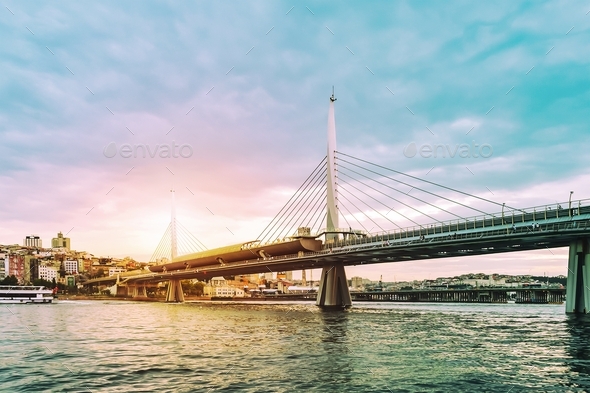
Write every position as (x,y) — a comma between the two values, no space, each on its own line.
(177,240)
(350,211)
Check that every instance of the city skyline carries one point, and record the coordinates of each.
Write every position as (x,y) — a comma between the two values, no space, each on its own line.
(247,90)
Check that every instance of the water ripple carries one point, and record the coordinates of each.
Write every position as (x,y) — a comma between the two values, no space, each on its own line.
(228,347)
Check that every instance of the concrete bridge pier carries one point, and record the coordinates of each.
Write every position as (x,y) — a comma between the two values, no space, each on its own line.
(577,298)
(333,293)
(139,291)
(174,294)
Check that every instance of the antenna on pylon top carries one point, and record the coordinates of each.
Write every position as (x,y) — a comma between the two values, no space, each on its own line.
(332,98)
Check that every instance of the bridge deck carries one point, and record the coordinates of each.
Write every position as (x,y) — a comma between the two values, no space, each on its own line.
(480,240)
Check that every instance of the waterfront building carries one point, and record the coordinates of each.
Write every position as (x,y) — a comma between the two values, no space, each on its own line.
(70,281)
(218,287)
(86,265)
(60,242)
(218,282)
(116,270)
(2,267)
(16,267)
(32,241)
(71,266)
(356,282)
(288,275)
(487,282)
(301,289)
(31,268)
(223,291)
(81,267)
(48,273)
(284,285)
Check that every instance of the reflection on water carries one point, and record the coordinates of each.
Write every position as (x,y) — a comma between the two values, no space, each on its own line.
(577,345)
(254,347)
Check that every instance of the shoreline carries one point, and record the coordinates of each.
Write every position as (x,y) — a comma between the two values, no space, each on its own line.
(187,298)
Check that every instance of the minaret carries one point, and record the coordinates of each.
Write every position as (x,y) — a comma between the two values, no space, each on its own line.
(173,247)
(332,195)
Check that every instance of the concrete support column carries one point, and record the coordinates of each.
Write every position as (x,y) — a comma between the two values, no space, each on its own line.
(577,299)
(333,291)
(174,294)
(138,291)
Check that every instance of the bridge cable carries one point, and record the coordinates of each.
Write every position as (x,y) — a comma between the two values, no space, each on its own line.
(288,204)
(429,182)
(294,194)
(348,200)
(317,192)
(286,214)
(181,246)
(421,189)
(161,245)
(317,198)
(365,203)
(403,203)
(324,219)
(291,217)
(317,206)
(376,200)
(318,211)
(186,247)
(381,192)
(194,241)
(344,216)
(353,216)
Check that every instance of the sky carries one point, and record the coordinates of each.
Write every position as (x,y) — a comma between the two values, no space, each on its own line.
(242,90)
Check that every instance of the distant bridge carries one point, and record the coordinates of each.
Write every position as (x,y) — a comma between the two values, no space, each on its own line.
(473,295)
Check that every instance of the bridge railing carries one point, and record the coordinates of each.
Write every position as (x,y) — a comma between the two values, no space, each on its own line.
(509,217)
(389,239)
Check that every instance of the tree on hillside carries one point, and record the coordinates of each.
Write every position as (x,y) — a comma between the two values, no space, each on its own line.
(10,280)
(195,289)
(41,282)
(199,286)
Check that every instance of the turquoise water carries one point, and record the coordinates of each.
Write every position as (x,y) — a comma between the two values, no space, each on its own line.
(115,346)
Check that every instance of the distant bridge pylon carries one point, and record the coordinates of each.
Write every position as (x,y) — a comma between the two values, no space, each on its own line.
(176,241)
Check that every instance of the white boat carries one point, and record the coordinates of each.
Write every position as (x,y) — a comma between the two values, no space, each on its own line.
(25,294)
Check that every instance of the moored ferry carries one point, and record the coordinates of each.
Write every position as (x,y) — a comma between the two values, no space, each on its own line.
(14,294)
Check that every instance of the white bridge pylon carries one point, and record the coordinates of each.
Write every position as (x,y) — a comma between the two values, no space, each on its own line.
(176,241)
(333,291)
